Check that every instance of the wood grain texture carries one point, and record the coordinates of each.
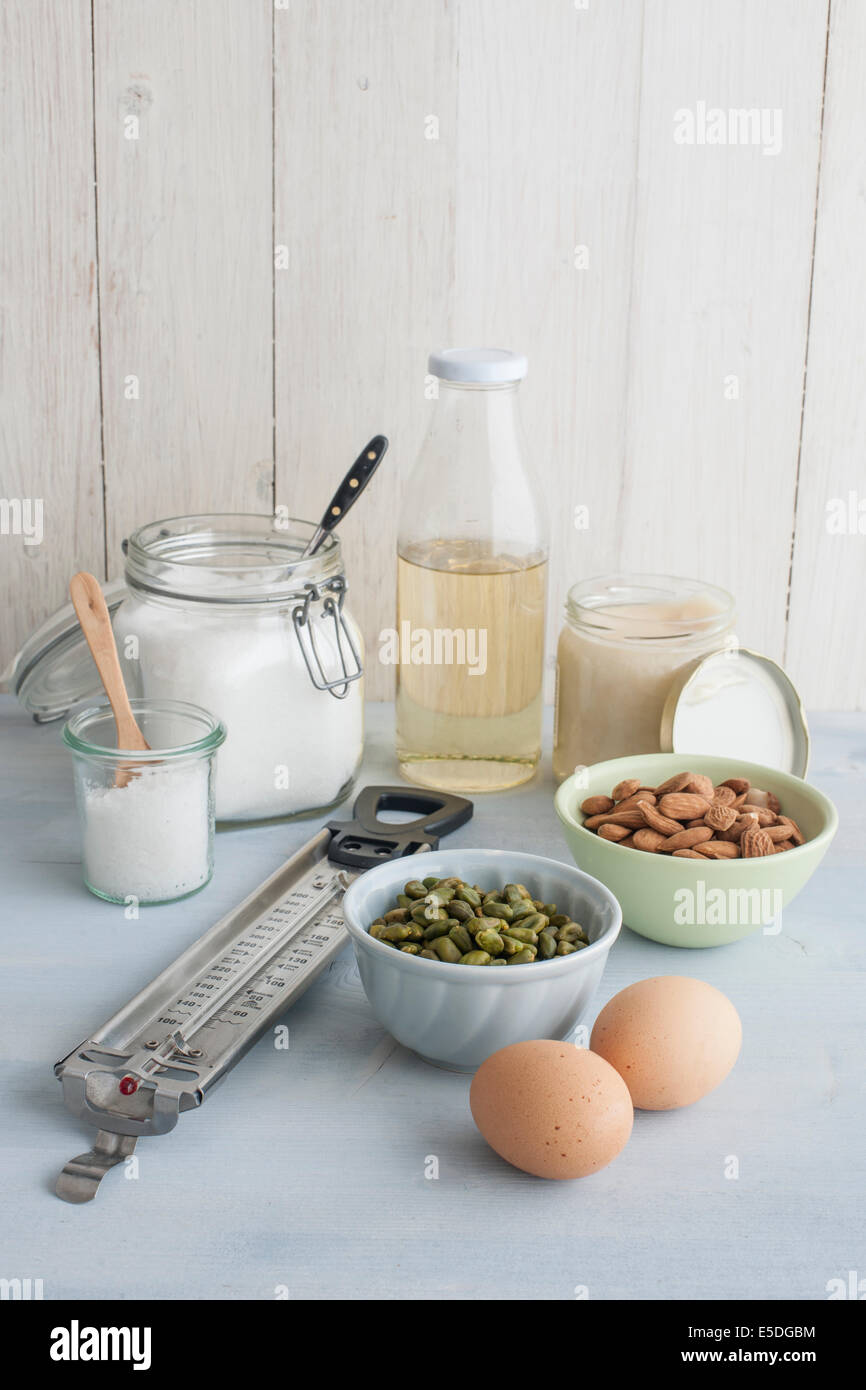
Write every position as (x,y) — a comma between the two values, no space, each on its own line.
(364,207)
(185,257)
(720,289)
(661,290)
(549,117)
(825,642)
(49,366)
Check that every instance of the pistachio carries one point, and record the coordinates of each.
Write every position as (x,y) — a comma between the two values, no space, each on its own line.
(489,940)
(461,910)
(546,945)
(446,950)
(475,958)
(415,889)
(522,909)
(411,948)
(510,944)
(436,929)
(498,909)
(537,922)
(524,957)
(571,931)
(396,931)
(522,934)
(397,914)
(461,938)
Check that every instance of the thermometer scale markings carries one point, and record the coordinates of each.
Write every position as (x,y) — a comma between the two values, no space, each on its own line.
(270,946)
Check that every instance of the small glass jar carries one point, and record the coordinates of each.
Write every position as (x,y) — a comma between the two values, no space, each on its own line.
(625,639)
(146,817)
(228,613)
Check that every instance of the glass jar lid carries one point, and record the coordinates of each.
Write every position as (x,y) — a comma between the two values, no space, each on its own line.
(54,669)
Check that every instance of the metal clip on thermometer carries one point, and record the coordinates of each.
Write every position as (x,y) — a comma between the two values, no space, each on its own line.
(165,1050)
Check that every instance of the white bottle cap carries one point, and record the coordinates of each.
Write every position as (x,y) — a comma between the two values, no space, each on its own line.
(483,366)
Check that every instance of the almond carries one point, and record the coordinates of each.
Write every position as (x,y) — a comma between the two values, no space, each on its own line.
(700,785)
(656,821)
(756,843)
(629,803)
(774,803)
(786,844)
(778,833)
(724,796)
(613,832)
(633,819)
(649,840)
(686,854)
(796,833)
(733,835)
(738,785)
(696,820)
(683,805)
(720,817)
(674,784)
(626,788)
(687,839)
(594,805)
(627,844)
(719,849)
(765,816)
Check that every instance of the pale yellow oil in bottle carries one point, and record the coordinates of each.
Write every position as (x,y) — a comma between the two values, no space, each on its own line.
(469,680)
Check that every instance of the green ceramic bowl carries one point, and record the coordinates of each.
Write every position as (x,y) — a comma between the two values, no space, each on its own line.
(681,902)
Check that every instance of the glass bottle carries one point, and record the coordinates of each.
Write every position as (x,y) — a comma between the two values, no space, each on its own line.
(471,584)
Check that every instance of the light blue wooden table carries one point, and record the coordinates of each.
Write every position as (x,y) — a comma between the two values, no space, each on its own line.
(305,1172)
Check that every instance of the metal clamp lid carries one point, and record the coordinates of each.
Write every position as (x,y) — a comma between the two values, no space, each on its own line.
(737,703)
(332,596)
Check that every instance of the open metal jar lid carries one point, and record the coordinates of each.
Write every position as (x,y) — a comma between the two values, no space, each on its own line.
(740,704)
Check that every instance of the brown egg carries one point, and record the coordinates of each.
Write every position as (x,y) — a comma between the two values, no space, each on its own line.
(672,1040)
(552,1109)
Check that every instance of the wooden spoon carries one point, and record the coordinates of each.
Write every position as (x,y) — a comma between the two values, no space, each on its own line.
(89,603)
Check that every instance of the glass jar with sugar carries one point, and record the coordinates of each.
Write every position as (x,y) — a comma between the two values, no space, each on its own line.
(226,612)
(146,816)
(624,641)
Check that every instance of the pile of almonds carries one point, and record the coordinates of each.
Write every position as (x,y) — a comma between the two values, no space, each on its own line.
(691,819)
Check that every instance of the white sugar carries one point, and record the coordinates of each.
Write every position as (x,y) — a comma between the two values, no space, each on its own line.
(149,840)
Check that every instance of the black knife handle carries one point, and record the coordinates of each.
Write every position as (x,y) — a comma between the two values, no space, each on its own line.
(355,481)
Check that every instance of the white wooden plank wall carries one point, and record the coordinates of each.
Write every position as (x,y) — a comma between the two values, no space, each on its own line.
(436,171)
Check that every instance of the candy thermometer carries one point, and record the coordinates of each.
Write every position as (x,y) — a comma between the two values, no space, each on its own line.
(166,1049)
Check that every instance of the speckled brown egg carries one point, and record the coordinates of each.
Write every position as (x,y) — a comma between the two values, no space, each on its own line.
(552,1109)
(672,1039)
